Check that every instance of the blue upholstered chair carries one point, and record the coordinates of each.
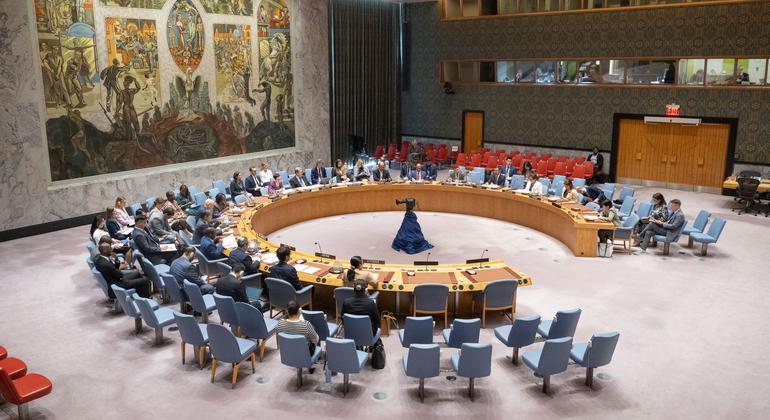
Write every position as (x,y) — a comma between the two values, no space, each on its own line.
(711,236)
(578,182)
(281,293)
(203,304)
(294,353)
(192,189)
(328,171)
(227,348)
(666,242)
(125,299)
(253,324)
(431,299)
(499,295)
(155,318)
(549,360)
(517,182)
(212,193)
(359,329)
(150,202)
(476,176)
(627,207)
(417,330)
(219,185)
(134,208)
(422,361)
(698,226)
(340,294)
(595,353)
(564,324)
(625,192)
(226,311)
(474,360)
(284,178)
(626,231)
(462,331)
(240,199)
(175,293)
(263,191)
(557,186)
(210,267)
(200,200)
(546,184)
(192,333)
(152,271)
(105,288)
(318,320)
(342,357)
(644,209)
(608,191)
(519,334)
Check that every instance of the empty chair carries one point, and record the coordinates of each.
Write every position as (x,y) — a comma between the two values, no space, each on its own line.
(294,353)
(253,324)
(192,333)
(625,192)
(318,320)
(155,318)
(417,330)
(281,292)
(340,294)
(563,324)
(462,331)
(200,200)
(342,357)
(644,209)
(557,187)
(359,328)
(240,199)
(219,185)
(15,368)
(608,192)
(626,231)
(748,194)
(517,182)
(431,299)
(226,311)
(595,353)
(546,184)
(153,271)
(203,304)
(710,237)
(578,181)
(209,267)
(422,361)
(519,334)
(23,390)
(627,207)
(134,209)
(175,293)
(549,360)
(150,202)
(226,347)
(474,360)
(499,295)
(697,226)
(126,300)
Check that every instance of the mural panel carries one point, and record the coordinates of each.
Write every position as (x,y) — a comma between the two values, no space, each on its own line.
(229,7)
(146,4)
(185,35)
(232,51)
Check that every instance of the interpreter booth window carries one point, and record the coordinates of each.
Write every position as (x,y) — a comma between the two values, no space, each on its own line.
(526,71)
(506,71)
(527,6)
(487,72)
(589,72)
(549,5)
(613,71)
(545,73)
(572,4)
(692,71)
(567,71)
(751,71)
(507,7)
(649,72)
(720,71)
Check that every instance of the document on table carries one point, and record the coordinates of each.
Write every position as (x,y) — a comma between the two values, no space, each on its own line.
(307,269)
(167,247)
(229,242)
(269,258)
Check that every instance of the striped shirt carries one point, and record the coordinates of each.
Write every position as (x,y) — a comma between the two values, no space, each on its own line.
(298,327)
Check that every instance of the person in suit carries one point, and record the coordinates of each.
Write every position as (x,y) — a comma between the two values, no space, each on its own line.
(299,179)
(240,256)
(669,228)
(533,186)
(318,173)
(205,221)
(456,175)
(159,227)
(381,174)
(597,159)
(230,285)
(183,269)
(431,171)
(508,170)
(275,186)
(118,273)
(282,270)
(405,170)
(253,182)
(417,174)
(495,178)
(236,185)
(361,304)
(147,244)
(210,245)
(592,194)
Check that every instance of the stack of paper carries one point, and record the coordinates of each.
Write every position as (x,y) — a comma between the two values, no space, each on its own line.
(229,242)
(269,258)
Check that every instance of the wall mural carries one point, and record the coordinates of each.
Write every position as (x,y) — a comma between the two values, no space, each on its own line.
(119,99)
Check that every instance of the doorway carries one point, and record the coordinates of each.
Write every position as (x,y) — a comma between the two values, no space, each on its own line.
(473,130)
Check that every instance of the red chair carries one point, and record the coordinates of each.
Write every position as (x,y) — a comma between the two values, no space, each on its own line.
(3,353)
(588,168)
(545,156)
(443,155)
(429,155)
(453,155)
(460,161)
(518,160)
(499,151)
(551,166)
(24,390)
(475,161)
(379,151)
(391,153)
(578,172)
(404,153)
(491,163)
(570,167)
(560,169)
(15,368)
(579,160)
(485,158)
(542,168)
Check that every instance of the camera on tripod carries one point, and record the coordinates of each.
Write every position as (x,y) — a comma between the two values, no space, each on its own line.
(409,201)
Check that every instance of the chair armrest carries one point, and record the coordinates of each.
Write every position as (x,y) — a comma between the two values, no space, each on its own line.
(305,290)
(130,292)
(218,260)
(250,277)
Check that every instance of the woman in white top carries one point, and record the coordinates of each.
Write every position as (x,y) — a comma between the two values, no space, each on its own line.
(121,215)
(361,174)
(265,174)
(534,187)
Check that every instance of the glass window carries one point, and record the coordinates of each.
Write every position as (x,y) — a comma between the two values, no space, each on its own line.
(594,4)
(469,71)
(691,71)
(506,71)
(567,71)
(572,4)
(527,6)
(613,71)
(525,71)
(650,72)
(549,5)
(507,7)
(487,71)
(751,71)
(720,71)
(544,73)
(589,72)
(451,71)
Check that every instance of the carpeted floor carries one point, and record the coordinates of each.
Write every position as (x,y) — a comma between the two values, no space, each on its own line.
(693,337)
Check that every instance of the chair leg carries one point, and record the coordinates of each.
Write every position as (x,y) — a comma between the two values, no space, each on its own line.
(470,388)
(299,378)
(116,307)
(213,368)
(547,384)
(158,336)
(590,377)
(262,349)
(703,248)
(446,319)
(253,363)
(689,241)
(183,348)
(515,356)
(483,318)
(666,246)
(201,356)
(137,325)
(235,373)
(421,390)
(345,384)
(23,411)
(205,317)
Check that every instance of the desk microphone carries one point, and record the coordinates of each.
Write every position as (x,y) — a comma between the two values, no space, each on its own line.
(319,247)
(482,254)
(427,258)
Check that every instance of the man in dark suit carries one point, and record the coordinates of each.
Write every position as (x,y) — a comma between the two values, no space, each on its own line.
(495,177)
(592,194)
(230,285)
(183,269)
(145,243)
(210,245)
(158,226)
(361,304)
(381,174)
(284,271)
(431,171)
(239,256)
(253,183)
(670,227)
(299,179)
(115,272)
(318,173)
(417,174)
(508,170)
(597,159)
(205,221)
(405,170)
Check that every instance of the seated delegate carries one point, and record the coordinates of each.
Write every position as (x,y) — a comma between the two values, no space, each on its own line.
(118,273)
(294,324)
(210,245)
(319,172)
(355,273)
(236,186)
(253,182)
(381,174)
(231,285)
(495,178)
(183,269)
(361,304)
(240,256)
(669,228)
(147,245)
(282,270)
(456,175)
(299,179)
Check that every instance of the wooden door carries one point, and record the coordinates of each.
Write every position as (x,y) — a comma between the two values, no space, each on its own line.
(473,130)
(710,159)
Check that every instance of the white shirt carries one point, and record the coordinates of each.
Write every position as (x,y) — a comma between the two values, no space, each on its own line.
(266,176)
(98,233)
(537,188)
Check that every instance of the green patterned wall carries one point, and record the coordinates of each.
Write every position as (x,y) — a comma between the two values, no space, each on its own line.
(581,117)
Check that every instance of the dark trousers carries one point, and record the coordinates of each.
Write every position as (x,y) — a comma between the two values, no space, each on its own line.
(133,280)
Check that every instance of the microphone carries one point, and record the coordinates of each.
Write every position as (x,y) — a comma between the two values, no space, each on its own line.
(319,247)
(482,254)
(427,258)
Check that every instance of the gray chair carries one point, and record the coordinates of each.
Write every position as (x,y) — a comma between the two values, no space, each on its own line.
(627,207)
(340,294)
(625,192)
(210,267)
(226,347)
(462,331)
(294,353)
(474,360)
(318,320)
(549,360)
(359,328)
(155,318)
(342,357)
(253,324)
(422,361)
(595,353)
(519,334)
(175,293)
(499,295)
(698,226)
(192,333)
(431,299)
(226,311)
(281,293)
(105,288)
(203,304)
(666,242)
(417,330)
(626,231)
(564,324)
(710,237)
(126,300)
(153,272)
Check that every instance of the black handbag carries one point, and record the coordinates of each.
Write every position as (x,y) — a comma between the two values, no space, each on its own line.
(378,355)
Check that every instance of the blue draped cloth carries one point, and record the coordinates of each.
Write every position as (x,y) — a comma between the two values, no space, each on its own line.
(409,237)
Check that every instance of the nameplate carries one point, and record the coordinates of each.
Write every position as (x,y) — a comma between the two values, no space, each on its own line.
(477,260)
(426,263)
(289,246)
(327,256)
(557,205)
(373,261)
